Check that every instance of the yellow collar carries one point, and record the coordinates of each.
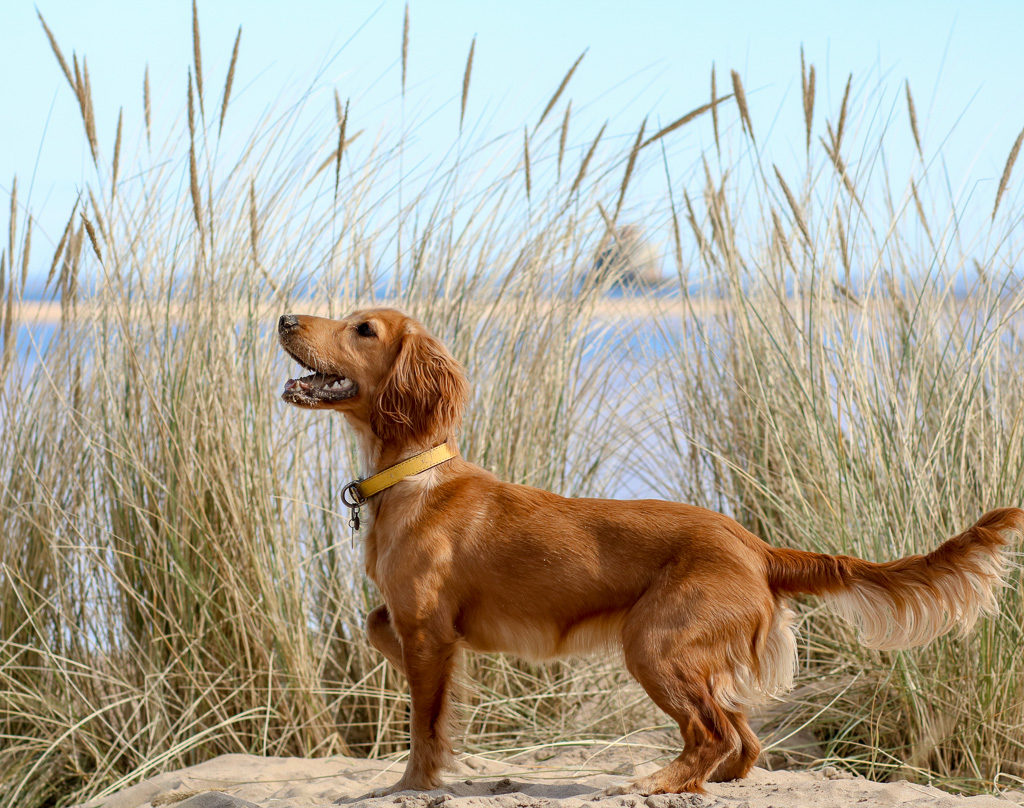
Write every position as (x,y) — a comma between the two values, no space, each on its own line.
(357,492)
(398,472)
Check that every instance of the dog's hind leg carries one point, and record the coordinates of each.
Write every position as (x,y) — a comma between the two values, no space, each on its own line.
(709,738)
(739,764)
(671,644)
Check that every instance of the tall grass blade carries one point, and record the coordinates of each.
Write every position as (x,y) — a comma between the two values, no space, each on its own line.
(714,111)
(197,58)
(586,160)
(92,237)
(689,116)
(57,51)
(741,104)
(558,92)
(405,47)
(630,164)
(117,154)
(147,109)
(1007,169)
(912,114)
(807,86)
(563,133)
(526,160)
(229,81)
(466,75)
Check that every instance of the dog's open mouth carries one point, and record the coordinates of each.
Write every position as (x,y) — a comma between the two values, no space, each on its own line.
(318,388)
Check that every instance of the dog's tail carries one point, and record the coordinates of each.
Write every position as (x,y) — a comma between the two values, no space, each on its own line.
(913,600)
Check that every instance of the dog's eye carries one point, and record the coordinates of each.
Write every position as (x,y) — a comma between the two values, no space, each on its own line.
(365,330)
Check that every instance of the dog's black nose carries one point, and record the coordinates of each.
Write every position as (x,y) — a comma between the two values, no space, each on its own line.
(287,323)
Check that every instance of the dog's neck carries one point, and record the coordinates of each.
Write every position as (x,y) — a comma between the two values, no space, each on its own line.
(377,455)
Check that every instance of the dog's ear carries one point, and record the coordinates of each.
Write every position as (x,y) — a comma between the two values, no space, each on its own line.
(423,395)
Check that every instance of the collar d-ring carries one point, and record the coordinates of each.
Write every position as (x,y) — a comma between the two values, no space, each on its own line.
(351,496)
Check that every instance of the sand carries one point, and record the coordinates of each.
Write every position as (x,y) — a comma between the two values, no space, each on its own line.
(575,777)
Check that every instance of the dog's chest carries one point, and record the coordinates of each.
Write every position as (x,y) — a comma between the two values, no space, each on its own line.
(397,546)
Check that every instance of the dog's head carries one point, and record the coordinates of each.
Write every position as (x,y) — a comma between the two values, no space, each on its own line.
(379,367)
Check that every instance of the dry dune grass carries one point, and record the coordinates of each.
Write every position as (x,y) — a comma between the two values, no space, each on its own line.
(176,580)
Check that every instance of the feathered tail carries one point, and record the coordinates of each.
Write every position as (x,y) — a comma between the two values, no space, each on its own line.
(913,600)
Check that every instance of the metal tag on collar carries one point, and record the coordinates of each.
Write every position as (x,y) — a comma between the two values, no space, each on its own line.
(353,499)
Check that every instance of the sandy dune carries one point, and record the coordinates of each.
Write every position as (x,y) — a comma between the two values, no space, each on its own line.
(574,778)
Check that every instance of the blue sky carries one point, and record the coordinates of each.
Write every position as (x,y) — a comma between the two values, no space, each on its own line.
(964,62)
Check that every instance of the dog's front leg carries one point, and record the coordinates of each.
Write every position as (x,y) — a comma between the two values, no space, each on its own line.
(428,653)
(382,636)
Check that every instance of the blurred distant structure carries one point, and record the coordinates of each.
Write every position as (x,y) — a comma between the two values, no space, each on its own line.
(630,259)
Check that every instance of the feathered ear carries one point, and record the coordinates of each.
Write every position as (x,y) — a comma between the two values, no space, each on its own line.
(422,396)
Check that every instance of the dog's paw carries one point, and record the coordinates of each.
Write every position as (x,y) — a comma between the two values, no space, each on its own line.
(403,785)
(395,789)
(655,795)
(630,787)
(370,795)
(642,786)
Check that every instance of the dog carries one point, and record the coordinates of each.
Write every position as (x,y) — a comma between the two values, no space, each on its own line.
(696,602)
